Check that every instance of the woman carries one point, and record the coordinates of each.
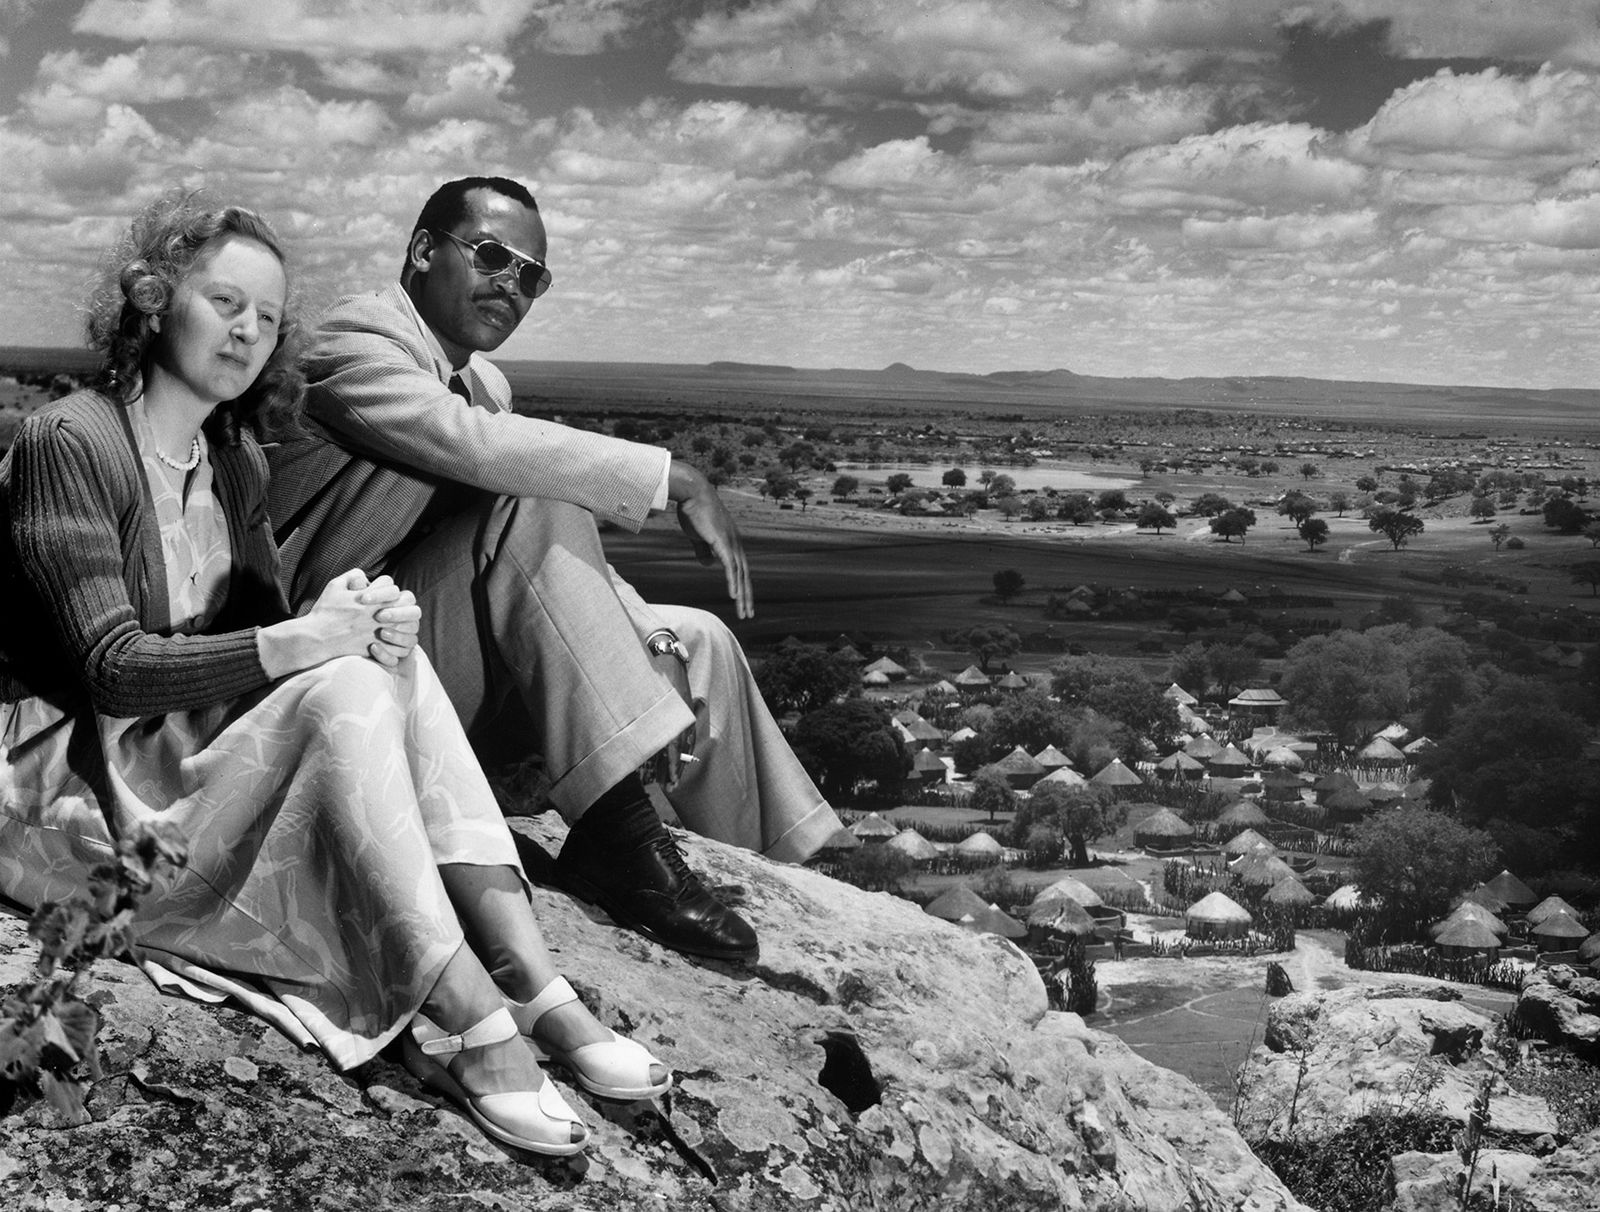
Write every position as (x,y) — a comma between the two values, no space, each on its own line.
(346,855)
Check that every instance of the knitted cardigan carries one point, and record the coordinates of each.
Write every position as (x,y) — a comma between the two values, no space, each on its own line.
(84,580)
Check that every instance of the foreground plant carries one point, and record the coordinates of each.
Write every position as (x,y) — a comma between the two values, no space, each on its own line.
(47,1029)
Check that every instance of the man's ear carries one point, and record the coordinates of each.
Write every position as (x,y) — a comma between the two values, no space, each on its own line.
(419,254)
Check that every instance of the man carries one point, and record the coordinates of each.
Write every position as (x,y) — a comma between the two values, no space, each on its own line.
(417,467)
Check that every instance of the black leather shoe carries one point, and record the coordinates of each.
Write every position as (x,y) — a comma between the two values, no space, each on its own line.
(649,888)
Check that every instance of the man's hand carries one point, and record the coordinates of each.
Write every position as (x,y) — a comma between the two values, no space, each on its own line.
(710,527)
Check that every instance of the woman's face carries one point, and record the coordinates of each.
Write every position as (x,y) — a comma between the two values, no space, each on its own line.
(223,323)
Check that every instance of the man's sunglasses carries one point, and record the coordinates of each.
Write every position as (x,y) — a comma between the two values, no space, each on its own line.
(490,257)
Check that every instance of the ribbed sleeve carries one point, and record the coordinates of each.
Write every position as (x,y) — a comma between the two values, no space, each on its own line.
(81,534)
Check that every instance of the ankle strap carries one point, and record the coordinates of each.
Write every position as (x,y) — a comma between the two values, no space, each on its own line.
(493,1029)
(557,993)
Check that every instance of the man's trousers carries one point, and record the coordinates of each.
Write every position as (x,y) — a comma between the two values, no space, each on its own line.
(520,608)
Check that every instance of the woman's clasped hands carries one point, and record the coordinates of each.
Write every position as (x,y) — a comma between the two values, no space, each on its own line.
(352,616)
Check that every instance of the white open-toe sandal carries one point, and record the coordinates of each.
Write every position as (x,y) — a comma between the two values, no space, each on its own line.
(615,1068)
(539,1121)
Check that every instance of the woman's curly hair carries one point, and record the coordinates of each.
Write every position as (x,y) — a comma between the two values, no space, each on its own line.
(142,272)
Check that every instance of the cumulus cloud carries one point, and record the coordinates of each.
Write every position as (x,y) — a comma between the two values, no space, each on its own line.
(1485,122)
(1239,167)
(319,28)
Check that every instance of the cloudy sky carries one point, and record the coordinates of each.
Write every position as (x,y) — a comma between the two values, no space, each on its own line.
(1379,189)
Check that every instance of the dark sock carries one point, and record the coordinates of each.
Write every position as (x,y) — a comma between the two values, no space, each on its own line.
(622,817)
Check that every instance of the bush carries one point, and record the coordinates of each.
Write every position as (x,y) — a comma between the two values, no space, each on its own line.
(1348,1171)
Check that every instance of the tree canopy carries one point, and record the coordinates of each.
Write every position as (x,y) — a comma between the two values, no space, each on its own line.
(1233,522)
(990,643)
(802,677)
(1395,525)
(1008,583)
(849,742)
(1416,861)
(1076,813)
(1153,517)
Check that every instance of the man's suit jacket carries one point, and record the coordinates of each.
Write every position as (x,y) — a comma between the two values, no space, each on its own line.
(389,439)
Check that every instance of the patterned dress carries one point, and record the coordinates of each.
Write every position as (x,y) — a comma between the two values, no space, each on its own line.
(317,813)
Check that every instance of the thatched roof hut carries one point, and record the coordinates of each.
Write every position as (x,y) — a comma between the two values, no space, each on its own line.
(1419,746)
(1019,768)
(1283,758)
(1248,841)
(1470,911)
(1482,896)
(1258,701)
(1203,747)
(1345,804)
(1260,869)
(1115,774)
(1289,891)
(1062,916)
(1512,891)
(928,767)
(873,828)
(1179,695)
(990,920)
(1180,765)
(1333,780)
(1346,896)
(981,847)
(956,902)
(1281,785)
(1550,904)
(971,679)
(1069,889)
(1217,916)
(1062,776)
(1559,932)
(1162,830)
(840,839)
(914,846)
(1469,938)
(1242,814)
(1379,752)
(1589,949)
(892,670)
(1052,758)
(1231,761)
(1012,682)
(876,678)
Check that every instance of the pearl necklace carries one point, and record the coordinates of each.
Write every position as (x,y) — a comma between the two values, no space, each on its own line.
(190,464)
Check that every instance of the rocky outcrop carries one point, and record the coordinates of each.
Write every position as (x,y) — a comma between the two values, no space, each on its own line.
(1330,1058)
(1562,1005)
(874,1057)
(1567,1180)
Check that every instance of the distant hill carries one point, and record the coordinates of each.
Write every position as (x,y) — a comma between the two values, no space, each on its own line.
(899,386)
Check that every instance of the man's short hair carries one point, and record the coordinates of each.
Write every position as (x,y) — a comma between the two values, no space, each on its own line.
(448,206)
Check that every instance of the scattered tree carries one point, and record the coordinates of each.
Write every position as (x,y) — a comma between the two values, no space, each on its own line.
(803,494)
(1367,483)
(1416,861)
(1008,584)
(1232,666)
(1315,532)
(990,643)
(1235,521)
(1210,504)
(1002,486)
(1154,517)
(797,453)
(1592,533)
(779,483)
(1481,508)
(1565,515)
(1297,507)
(1395,525)
(1075,813)
(845,485)
(1339,502)
(898,482)
(1498,533)
(954,478)
(1308,470)
(1587,572)
(991,792)
(1075,507)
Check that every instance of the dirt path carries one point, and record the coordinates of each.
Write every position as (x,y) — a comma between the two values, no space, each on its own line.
(1201,1016)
